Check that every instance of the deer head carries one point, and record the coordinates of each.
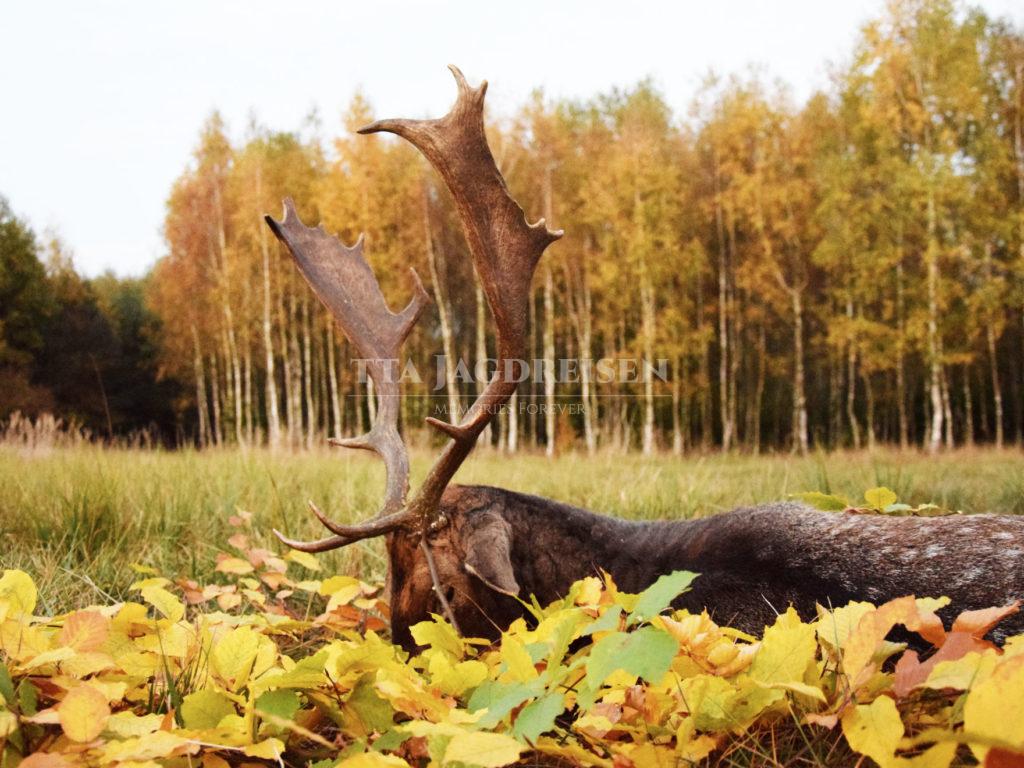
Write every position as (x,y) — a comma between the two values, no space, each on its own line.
(471,566)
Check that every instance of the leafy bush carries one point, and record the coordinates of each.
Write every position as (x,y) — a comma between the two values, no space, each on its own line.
(270,666)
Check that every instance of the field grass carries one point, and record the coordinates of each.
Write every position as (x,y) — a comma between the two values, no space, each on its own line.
(76,518)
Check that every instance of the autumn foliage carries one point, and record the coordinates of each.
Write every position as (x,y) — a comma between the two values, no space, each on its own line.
(278,663)
(838,272)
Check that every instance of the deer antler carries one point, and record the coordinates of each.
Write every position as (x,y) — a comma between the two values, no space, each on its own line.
(345,284)
(505,250)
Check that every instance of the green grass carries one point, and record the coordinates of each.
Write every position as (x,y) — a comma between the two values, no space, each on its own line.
(76,518)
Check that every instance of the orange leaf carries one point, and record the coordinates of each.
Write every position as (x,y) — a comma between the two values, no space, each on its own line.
(45,760)
(85,631)
(978,623)
(873,627)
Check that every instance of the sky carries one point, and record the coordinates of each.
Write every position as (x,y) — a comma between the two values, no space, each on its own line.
(102,101)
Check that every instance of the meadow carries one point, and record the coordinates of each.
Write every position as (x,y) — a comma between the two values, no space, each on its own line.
(77,518)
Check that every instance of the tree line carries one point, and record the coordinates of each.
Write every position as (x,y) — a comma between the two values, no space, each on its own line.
(84,349)
(841,272)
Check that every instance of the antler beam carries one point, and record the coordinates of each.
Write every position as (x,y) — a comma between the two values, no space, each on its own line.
(346,285)
(505,250)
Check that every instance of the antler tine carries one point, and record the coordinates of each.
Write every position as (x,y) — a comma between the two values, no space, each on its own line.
(344,282)
(505,250)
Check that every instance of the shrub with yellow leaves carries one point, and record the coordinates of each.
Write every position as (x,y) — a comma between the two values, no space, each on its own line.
(270,666)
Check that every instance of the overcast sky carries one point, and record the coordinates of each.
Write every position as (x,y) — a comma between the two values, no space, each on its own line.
(102,101)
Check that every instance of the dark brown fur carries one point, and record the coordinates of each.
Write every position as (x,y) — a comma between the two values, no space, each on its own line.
(754,562)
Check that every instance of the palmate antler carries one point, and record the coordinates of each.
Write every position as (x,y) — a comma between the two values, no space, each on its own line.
(505,250)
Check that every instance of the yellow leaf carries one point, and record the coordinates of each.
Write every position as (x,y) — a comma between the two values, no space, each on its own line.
(83,713)
(268,749)
(456,679)
(305,559)
(804,689)
(835,627)
(167,604)
(85,631)
(205,709)
(519,666)
(487,750)
(341,590)
(960,674)
(936,756)
(588,591)
(234,655)
(995,707)
(85,664)
(127,724)
(787,650)
(372,760)
(879,498)
(439,635)
(874,729)
(152,746)
(234,565)
(48,657)
(156,581)
(8,723)
(19,592)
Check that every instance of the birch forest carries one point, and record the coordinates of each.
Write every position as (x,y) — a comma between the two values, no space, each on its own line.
(841,272)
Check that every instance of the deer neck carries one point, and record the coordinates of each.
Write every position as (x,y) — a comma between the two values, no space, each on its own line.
(556,544)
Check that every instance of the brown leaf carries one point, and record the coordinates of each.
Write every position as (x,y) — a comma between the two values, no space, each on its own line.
(998,757)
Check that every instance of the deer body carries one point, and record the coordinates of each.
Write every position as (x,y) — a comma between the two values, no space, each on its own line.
(754,562)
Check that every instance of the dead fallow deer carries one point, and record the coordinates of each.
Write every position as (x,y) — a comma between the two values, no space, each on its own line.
(471,553)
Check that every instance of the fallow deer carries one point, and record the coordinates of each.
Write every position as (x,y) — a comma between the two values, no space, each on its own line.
(472,553)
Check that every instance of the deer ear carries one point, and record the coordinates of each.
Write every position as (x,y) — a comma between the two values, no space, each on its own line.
(487,541)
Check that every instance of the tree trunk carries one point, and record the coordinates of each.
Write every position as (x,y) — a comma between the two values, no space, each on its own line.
(934,359)
(332,381)
(723,333)
(295,367)
(202,406)
(800,437)
(286,369)
(901,382)
(247,374)
(549,362)
(677,429)
(586,354)
(704,373)
(869,396)
(480,369)
(968,407)
(648,332)
(851,378)
(307,373)
(218,428)
(549,330)
(436,263)
(947,411)
(273,416)
(990,339)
